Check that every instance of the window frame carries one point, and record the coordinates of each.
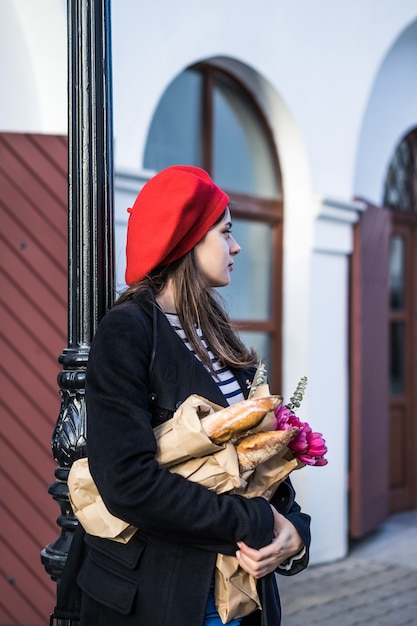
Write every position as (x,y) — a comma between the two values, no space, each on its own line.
(251,208)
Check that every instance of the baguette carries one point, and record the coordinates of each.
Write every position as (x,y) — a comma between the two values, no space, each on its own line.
(238,418)
(259,447)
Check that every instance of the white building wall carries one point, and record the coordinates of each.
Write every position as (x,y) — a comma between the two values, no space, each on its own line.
(33,66)
(321,58)
(337,85)
(325,490)
(391,112)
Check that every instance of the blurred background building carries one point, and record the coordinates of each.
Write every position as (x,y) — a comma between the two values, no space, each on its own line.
(306,113)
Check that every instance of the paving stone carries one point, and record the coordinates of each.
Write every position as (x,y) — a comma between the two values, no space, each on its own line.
(375,585)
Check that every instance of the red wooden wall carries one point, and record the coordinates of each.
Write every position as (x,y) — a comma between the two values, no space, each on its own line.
(33,333)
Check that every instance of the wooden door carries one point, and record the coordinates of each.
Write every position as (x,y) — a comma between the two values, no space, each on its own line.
(369,448)
(400,195)
(403,362)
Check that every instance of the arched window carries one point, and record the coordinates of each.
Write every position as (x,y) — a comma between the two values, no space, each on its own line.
(400,191)
(400,194)
(206,118)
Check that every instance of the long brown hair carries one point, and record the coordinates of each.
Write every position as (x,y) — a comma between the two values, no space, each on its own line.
(197,305)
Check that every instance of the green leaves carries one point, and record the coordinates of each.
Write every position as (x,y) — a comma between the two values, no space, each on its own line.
(296,399)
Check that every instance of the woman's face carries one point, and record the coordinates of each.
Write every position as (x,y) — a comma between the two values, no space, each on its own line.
(214,253)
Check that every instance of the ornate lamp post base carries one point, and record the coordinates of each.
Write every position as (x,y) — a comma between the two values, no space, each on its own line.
(90,250)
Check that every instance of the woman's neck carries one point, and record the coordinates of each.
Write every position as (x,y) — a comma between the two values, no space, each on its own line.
(166,299)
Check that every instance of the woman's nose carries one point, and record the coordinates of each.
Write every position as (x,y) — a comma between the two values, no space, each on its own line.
(234,246)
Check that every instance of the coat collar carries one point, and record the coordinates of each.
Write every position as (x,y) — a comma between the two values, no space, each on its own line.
(184,375)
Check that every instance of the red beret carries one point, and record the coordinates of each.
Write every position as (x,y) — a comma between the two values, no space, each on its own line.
(172,212)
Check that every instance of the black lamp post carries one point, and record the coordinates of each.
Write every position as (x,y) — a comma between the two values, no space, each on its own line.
(90,237)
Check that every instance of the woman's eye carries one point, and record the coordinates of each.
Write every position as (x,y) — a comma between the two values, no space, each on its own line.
(228,232)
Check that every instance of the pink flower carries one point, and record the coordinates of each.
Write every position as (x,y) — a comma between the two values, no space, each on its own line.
(308,446)
(285,419)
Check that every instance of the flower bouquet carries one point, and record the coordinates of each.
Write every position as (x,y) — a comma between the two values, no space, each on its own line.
(303,446)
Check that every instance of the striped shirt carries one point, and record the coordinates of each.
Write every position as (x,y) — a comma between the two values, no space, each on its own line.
(222,376)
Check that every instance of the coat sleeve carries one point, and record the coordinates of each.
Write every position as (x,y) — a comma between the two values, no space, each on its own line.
(284,502)
(122,447)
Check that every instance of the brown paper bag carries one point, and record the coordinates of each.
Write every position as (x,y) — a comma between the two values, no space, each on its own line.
(90,509)
(184,448)
(218,472)
(180,439)
(235,590)
(265,479)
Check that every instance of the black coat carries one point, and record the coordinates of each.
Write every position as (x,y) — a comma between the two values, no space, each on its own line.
(139,372)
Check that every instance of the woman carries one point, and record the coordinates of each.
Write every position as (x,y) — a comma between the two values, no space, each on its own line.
(166,339)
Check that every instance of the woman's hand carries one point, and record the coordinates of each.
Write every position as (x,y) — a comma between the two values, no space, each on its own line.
(285,544)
